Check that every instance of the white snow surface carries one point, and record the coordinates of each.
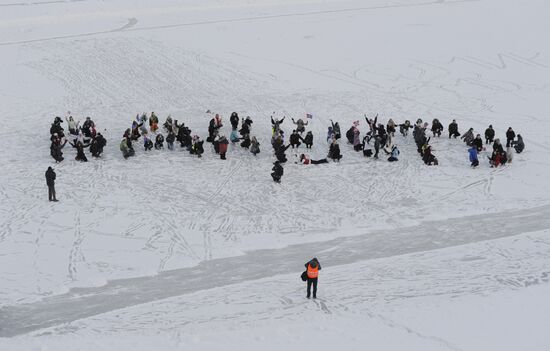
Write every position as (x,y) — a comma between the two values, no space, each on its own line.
(414,257)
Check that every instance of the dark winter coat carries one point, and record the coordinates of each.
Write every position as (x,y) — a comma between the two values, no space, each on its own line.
(295,139)
(334,152)
(308,140)
(478,143)
(437,127)
(510,134)
(280,153)
(234,119)
(489,133)
(170,138)
(50,176)
(278,170)
(518,144)
(97,145)
(453,128)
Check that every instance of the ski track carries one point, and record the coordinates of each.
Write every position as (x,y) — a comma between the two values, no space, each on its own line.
(85,302)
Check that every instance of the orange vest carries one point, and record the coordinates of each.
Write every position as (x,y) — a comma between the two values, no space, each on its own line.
(312,272)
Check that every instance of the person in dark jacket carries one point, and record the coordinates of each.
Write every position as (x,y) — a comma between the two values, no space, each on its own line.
(312,268)
(87,127)
(80,155)
(510,136)
(159,142)
(437,127)
(334,151)
(234,119)
(336,130)
(404,128)
(489,135)
(50,181)
(246,125)
(246,141)
(308,140)
(56,148)
(478,143)
(170,138)
(518,144)
(97,145)
(453,129)
(278,172)
(147,143)
(295,139)
(280,153)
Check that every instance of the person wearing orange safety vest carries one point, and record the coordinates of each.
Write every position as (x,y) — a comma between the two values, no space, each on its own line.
(312,268)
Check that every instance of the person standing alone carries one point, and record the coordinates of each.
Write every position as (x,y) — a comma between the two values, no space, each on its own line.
(312,268)
(50,181)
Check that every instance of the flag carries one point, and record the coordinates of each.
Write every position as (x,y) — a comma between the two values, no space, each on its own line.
(309,115)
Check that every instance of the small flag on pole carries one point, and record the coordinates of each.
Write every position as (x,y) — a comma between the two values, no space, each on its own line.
(309,115)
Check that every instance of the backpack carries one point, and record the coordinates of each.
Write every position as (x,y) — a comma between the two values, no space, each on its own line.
(304,276)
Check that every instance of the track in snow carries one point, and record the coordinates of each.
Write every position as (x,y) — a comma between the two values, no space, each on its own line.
(117,294)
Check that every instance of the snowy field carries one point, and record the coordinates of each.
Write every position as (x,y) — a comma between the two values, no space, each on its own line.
(170,252)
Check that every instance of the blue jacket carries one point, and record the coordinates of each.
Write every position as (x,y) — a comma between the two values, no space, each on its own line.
(395,152)
(234,136)
(473,154)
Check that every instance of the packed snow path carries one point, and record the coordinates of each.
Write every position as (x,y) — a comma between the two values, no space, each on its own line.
(85,302)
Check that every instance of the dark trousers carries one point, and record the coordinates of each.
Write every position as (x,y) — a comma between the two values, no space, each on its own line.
(51,192)
(311,281)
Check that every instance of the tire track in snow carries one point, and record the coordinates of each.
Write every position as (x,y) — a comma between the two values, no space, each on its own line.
(127,28)
(85,302)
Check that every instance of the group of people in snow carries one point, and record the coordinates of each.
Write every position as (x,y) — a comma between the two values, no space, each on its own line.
(378,137)
(180,133)
(499,155)
(79,137)
(381,137)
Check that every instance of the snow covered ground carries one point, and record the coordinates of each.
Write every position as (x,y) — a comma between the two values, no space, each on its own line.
(168,251)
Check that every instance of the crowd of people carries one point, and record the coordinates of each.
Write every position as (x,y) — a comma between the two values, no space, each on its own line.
(376,139)
(78,136)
